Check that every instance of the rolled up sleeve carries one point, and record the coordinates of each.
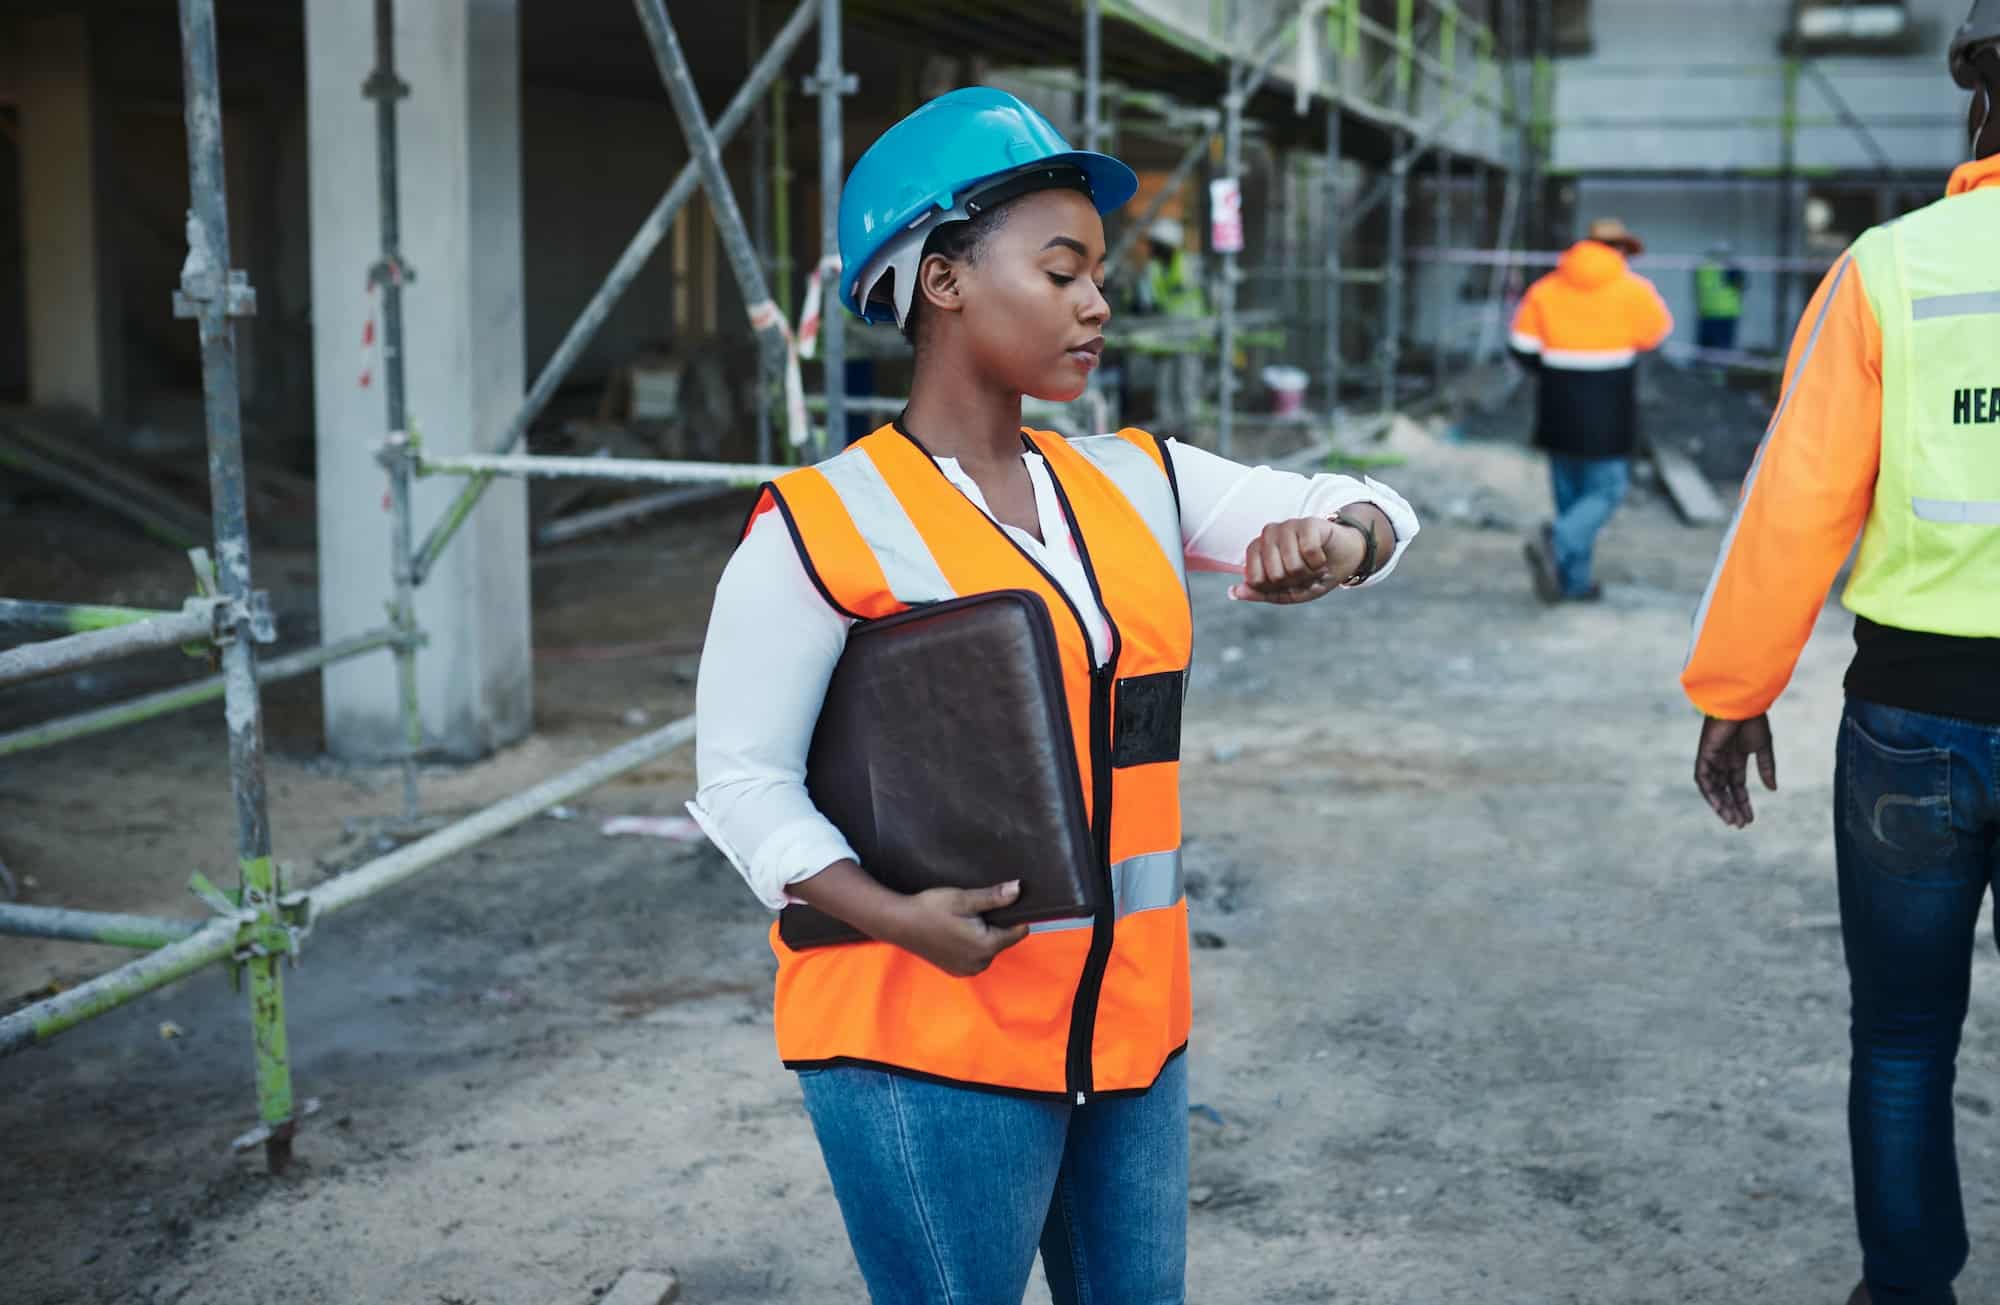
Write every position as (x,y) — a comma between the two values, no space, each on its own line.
(1225,505)
(771,648)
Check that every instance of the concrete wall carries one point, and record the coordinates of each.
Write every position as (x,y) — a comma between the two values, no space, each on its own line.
(1612,83)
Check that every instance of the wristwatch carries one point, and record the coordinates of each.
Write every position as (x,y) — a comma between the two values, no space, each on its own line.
(1367,567)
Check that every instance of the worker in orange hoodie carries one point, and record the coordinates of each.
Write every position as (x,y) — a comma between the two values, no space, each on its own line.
(1582,328)
(1889,427)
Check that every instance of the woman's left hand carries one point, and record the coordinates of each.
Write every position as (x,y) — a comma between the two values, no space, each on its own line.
(1297,561)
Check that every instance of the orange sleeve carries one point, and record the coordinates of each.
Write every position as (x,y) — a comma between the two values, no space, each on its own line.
(1804,502)
(1655,323)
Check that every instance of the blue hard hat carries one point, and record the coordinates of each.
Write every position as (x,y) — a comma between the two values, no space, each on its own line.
(921,171)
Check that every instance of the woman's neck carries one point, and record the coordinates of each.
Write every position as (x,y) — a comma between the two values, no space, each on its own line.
(957,415)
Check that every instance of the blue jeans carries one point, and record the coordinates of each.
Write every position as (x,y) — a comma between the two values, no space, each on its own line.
(1715,333)
(1587,492)
(1915,818)
(947,1192)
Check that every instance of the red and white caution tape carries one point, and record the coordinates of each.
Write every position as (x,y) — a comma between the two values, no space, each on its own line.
(828,270)
(763,317)
(371,341)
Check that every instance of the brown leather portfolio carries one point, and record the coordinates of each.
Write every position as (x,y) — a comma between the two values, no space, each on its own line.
(944,755)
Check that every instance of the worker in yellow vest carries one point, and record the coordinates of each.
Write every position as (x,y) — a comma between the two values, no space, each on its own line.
(981,1092)
(1169,286)
(1718,299)
(1889,427)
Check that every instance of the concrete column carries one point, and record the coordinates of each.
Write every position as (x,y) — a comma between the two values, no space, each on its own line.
(73,317)
(459,137)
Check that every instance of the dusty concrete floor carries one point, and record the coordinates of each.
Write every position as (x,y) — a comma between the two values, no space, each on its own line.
(1498,1011)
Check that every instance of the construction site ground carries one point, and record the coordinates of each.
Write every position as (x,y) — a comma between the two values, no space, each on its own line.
(1487,1005)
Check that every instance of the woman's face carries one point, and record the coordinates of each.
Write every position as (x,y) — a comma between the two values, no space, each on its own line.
(1032,304)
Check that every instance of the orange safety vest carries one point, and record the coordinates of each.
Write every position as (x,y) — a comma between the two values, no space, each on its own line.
(1079,1007)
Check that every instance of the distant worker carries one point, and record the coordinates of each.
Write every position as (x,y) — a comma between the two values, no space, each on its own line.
(1718,299)
(1889,426)
(1582,328)
(1170,287)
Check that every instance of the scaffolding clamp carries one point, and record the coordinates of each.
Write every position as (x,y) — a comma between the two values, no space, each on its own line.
(391,269)
(252,612)
(848,84)
(198,289)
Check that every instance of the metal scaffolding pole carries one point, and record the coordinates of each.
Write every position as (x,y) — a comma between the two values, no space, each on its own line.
(743,475)
(195,623)
(621,276)
(1225,363)
(1389,355)
(1335,288)
(216,295)
(1093,72)
(1788,222)
(110,928)
(830,82)
(1135,230)
(68,618)
(388,275)
(773,333)
(760,220)
(237,932)
(1441,220)
(99,719)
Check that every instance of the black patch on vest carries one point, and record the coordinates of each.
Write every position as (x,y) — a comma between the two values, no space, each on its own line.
(1978,406)
(1148,728)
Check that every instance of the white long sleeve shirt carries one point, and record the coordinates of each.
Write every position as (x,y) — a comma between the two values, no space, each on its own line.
(773,641)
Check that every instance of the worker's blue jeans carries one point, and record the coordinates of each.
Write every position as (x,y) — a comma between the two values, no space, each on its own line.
(947,1192)
(1715,333)
(1587,492)
(1916,812)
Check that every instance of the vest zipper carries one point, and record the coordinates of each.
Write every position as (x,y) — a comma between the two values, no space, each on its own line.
(1103,679)
(1083,1009)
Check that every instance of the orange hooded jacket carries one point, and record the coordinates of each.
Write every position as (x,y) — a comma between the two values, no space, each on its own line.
(1582,328)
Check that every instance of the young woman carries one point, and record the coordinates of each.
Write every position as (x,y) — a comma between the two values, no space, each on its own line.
(980,1092)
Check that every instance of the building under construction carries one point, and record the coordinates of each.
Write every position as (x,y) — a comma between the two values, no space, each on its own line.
(425,288)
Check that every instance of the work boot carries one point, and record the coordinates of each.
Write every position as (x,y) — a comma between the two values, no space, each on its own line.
(1540,550)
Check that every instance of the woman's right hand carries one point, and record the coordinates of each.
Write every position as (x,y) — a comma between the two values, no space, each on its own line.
(944,926)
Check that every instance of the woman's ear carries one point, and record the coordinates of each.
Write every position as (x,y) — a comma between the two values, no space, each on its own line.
(938,284)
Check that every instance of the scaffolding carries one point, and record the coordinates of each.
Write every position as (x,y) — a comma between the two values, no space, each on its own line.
(1365,71)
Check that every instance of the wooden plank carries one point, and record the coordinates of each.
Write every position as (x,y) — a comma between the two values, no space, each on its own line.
(644,1287)
(1694,498)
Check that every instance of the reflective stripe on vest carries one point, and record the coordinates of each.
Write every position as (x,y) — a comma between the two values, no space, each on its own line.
(1079,1006)
(1930,556)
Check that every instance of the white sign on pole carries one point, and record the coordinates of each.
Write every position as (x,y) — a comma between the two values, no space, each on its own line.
(1225,216)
